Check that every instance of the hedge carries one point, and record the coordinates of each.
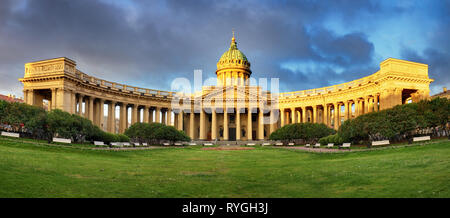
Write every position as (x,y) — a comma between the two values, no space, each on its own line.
(35,122)
(309,132)
(427,117)
(155,133)
(335,139)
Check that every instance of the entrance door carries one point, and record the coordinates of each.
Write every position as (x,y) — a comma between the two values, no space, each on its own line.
(232,134)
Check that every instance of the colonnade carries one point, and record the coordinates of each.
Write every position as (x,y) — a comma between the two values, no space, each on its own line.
(93,109)
(330,114)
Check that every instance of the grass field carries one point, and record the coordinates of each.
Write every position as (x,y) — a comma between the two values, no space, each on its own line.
(29,170)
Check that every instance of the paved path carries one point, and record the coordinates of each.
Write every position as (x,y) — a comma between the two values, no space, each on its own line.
(320,150)
(132,148)
(330,150)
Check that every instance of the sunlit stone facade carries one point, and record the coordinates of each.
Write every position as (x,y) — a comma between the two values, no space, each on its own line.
(232,110)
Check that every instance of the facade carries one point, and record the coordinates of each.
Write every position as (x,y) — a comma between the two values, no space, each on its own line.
(231,110)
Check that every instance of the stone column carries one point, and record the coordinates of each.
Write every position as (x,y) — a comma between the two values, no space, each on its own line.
(113,117)
(372,105)
(25,96)
(272,125)
(91,108)
(288,117)
(163,116)
(86,107)
(202,125)
(109,121)
(150,117)
(158,115)
(313,114)
(214,124)
(261,124)
(238,124)
(375,102)
(325,114)
(101,113)
(52,106)
(169,117)
(347,110)
(191,124)
(357,109)
(87,101)
(293,115)
(180,120)
(225,124)
(366,104)
(73,102)
(336,115)
(145,112)
(31,98)
(304,112)
(123,117)
(249,125)
(282,118)
(138,114)
(134,110)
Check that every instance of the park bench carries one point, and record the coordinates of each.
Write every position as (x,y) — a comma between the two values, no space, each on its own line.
(291,144)
(307,145)
(144,144)
(251,144)
(207,144)
(136,144)
(279,143)
(116,144)
(192,143)
(62,140)
(98,143)
(383,142)
(266,144)
(317,145)
(330,145)
(421,138)
(345,145)
(126,144)
(178,144)
(11,134)
(166,144)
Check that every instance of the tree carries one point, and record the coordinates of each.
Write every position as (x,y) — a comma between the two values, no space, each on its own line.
(307,131)
(171,134)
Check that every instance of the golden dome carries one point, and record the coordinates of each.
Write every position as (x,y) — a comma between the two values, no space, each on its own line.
(233,67)
(233,58)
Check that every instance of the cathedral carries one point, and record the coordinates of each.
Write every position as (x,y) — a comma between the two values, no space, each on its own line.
(233,110)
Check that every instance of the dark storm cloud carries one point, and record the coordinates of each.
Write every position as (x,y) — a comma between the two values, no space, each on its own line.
(148,43)
(437,54)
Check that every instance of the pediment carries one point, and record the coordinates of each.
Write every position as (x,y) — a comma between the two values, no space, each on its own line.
(232,92)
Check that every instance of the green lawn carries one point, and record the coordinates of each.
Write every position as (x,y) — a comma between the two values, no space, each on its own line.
(28,170)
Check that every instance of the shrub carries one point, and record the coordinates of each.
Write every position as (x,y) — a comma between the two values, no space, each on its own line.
(307,131)
(336,139)
(109,137)
(123,138)
(169,133)
(154,133)
(400,122)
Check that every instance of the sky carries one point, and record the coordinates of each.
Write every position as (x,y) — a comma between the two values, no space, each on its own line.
(306,44)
